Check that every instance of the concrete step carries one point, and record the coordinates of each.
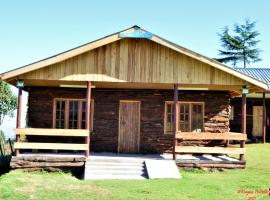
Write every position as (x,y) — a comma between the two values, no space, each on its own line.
(89,164)
(115,173)
(115,168)
(106,176)
(116,160)
(124,171)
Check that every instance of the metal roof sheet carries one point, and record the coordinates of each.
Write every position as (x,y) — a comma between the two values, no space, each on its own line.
(262,74)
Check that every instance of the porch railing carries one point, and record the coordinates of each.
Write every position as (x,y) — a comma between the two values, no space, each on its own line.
(50,132)
(180,136)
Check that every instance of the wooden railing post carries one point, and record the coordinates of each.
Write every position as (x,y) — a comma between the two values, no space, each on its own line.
(244,124)
(264,120)
(88,116)
(19,111)
(176,118)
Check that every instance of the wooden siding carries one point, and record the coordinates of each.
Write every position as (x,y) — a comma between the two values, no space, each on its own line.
(134,60)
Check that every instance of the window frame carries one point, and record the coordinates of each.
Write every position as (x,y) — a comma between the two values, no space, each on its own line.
(190,103)
(231,115)
(66,111)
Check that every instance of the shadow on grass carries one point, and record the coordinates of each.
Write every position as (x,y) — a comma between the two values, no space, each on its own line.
(5,164)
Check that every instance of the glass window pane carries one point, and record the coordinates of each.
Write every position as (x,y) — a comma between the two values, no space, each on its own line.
(83,115)
(57,114)
(62,114)
(83,125)
(83,105)
(75,124)
(75,105)
(71,105)
(197,118)
(75,115)
(70,115)
(184,117)
(57,105)
(169,118)
(63,105)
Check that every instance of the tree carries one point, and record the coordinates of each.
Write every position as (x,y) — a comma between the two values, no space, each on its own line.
(8,101)
(240,47)
(2,136)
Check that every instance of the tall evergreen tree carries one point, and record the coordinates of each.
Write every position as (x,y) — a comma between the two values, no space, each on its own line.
(240,46)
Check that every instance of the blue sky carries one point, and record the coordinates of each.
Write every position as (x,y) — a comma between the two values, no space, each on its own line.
(33,30)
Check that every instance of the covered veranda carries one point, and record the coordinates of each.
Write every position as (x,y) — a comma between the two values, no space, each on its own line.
(184,155)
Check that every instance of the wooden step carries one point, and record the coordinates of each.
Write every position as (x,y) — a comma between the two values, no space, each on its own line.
(56,146)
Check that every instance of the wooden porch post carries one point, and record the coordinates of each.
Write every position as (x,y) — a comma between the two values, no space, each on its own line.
(264,120)
(19,111)
(88,116)
(244,124)
(176,118)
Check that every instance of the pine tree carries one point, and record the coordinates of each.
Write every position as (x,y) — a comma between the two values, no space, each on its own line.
(240,47)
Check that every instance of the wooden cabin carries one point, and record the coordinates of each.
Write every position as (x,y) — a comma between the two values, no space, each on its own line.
(258,108)
(131,92)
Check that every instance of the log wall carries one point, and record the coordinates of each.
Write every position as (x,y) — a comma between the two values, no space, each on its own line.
(106,113)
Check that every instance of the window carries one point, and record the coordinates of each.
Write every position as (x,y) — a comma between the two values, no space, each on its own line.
(190,117)
(231,116)
(169,118)
(71,113)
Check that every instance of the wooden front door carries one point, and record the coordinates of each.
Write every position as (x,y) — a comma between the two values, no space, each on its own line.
(129,127)
(257,121)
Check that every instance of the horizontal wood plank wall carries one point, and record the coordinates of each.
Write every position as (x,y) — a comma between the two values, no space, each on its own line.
(106,114)
(134,60)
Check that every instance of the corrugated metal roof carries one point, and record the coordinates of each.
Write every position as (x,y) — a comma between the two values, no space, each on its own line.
(262,74)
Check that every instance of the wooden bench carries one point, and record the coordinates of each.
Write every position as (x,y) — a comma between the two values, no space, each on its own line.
(210,136)
(49,146)
(209,150)
(54,133)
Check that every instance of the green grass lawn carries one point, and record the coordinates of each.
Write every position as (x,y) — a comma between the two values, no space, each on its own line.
(18,185)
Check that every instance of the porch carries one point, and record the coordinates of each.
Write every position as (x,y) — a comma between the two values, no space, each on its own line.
(70,155)
(148,135)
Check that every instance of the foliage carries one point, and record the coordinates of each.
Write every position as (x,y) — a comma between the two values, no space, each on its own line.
(2,136)
(196,185)
(5,163)
(8,101)
(4,156)
(240,47)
